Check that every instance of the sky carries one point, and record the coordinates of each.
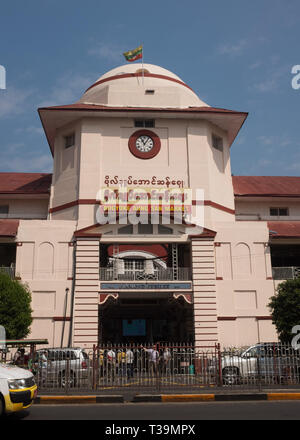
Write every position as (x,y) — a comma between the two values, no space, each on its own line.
(234,54)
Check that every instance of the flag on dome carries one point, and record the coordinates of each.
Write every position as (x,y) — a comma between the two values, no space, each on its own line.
(134,54)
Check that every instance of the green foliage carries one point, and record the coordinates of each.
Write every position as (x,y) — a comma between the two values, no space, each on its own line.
(285,308)
(15,310)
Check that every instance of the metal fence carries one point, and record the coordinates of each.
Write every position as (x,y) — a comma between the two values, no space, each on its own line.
(286,273)
(165,367)
(168,274)
(8,270)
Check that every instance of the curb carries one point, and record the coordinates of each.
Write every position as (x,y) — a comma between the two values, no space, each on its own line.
(215,397)
(165,398)
(54,400)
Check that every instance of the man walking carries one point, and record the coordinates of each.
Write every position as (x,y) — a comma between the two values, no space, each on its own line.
(153,359)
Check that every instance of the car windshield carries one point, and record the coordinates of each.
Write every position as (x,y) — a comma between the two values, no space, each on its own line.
(250,352)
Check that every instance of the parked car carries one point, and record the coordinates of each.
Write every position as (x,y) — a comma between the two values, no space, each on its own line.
(17,388)
(271,362)
(63,367)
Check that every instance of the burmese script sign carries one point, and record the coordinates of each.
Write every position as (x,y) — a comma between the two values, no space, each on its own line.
(153,181)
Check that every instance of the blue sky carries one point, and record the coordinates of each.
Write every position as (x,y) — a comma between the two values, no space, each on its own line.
(234,54)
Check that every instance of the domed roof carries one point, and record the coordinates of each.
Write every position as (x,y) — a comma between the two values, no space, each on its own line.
(141,85)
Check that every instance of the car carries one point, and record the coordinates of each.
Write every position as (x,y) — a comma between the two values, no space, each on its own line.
(271,362)
(62,367)
(17,388)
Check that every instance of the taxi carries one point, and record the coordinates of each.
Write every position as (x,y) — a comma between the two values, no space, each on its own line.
(17,388)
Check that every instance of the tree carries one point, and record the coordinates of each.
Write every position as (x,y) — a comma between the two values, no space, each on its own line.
(285,308)
(15,310)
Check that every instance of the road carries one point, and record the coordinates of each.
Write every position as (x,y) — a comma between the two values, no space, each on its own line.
(256,410)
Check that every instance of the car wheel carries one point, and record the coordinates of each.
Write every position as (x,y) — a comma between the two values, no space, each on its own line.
(230,375)
(67,382)
(2,406)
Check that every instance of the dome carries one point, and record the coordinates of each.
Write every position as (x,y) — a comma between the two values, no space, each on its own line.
(141,85)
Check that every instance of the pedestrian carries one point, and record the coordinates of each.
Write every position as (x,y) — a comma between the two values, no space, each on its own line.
(101,363)
(166,359)
(42,366)
(111,363)
(153,359)
(19,357)
(129,362)
(121,362)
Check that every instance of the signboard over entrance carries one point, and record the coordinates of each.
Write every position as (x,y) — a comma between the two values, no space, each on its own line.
(146,286)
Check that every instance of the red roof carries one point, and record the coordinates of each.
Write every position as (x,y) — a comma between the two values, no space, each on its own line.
(82,106)
(8,228)
(268,186)
(25,183)
(284,229)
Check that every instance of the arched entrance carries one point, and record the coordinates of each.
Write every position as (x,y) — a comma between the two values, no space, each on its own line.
(132,318)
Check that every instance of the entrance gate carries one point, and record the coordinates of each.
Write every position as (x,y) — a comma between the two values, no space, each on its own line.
(136,319)
(154,367)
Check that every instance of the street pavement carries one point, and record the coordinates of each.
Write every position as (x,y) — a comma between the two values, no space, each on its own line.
(253,410)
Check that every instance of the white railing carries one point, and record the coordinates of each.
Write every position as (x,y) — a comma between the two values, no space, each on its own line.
(8,270)
(168,274)
(286,273)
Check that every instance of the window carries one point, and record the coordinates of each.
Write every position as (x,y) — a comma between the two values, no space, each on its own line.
(4,211)
(217,142)
(144,123)
(69,140)
(149,92)
(134,265)
(278,212)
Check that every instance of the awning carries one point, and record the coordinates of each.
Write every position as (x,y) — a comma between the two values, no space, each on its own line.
(284,229)
(9,228)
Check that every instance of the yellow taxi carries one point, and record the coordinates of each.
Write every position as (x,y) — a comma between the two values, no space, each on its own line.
(17,388)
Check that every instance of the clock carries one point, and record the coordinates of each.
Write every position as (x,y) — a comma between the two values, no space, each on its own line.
(144,144)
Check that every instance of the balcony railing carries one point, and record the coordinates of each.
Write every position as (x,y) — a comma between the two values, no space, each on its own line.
(286,273)
(169,274)
(8,270)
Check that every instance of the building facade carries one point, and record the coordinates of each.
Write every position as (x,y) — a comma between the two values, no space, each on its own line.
(205,279)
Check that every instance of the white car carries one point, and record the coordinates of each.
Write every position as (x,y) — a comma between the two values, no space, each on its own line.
(268,361)
(17,388)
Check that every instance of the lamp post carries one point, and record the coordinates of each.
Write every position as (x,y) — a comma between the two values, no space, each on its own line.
(64,317)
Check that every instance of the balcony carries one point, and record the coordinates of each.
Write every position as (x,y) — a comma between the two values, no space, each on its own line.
(286,273)
(168,274)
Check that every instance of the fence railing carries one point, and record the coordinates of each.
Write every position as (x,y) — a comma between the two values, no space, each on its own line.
(8,270)
(177,367)
(286,273)
(168,274)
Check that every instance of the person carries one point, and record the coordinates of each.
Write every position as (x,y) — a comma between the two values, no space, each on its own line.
(101,363)
(111,363)
(121,362)
(166,359)
(129,362)
(153,359)
(42,363)
(19,357)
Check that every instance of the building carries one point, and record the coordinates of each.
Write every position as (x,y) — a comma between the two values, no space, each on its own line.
(91,282)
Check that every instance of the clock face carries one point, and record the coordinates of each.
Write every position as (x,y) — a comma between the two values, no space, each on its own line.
(144,143)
